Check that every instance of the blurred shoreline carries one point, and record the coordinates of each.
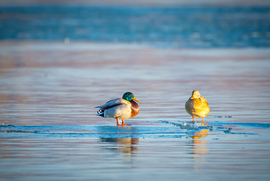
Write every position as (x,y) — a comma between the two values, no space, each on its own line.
(162,27)
(249,51)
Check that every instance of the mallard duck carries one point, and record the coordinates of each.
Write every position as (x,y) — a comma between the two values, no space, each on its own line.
(120,108)
(197,106)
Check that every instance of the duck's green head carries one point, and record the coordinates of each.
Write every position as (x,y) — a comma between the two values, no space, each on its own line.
(129,97)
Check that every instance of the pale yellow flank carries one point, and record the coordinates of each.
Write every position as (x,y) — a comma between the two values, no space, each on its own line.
(197,106)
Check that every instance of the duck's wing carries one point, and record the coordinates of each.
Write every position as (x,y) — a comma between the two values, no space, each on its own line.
(204,106)
(203,100)
(189,106)
(112,103)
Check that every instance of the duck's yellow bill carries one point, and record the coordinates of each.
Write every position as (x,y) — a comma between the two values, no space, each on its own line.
(135,99)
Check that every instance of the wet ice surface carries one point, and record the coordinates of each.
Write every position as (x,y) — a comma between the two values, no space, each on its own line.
(162,150)
(159,129)
(49,129)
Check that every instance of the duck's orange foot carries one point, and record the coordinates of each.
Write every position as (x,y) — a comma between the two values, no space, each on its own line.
(126,124)
(117,121)
(123,123)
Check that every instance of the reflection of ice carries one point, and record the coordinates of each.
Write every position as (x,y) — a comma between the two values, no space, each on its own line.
(190,125)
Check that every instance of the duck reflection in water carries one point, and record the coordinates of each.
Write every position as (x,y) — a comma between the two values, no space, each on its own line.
(124,145)
(199,146)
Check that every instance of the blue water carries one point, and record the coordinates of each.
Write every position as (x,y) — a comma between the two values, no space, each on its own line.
(156,150)
(172,27)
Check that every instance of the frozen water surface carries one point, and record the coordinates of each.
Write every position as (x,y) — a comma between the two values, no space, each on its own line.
(49,130)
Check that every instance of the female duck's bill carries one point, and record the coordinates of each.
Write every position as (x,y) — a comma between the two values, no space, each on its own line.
(120,108)
(197,106)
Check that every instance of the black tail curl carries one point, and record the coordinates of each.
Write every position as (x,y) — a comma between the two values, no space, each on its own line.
(100,113)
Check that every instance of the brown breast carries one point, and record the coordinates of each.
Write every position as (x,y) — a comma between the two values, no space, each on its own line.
(134,108)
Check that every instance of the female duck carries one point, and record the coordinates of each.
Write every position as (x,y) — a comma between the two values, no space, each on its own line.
(197,106)
(120,108)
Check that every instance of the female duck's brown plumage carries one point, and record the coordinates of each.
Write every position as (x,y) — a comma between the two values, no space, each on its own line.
(197,106)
